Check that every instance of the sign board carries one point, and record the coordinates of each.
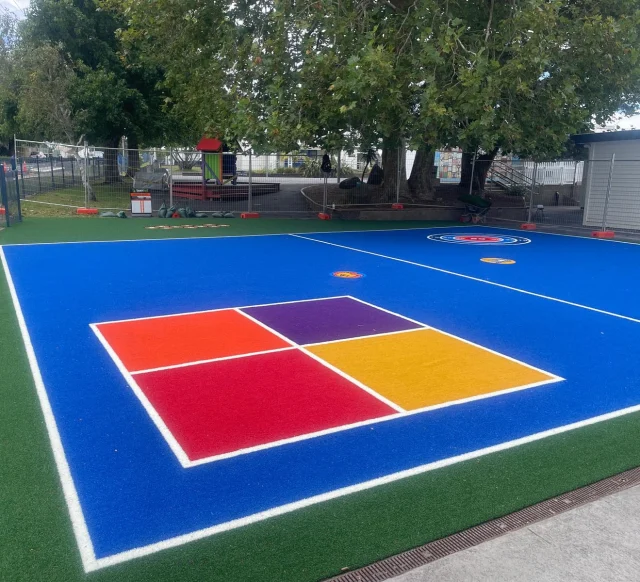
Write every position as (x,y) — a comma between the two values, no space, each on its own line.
(141,204)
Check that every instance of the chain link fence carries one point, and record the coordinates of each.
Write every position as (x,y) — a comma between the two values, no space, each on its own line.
(597,194)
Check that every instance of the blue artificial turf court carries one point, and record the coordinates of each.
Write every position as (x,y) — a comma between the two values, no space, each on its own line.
(191,386)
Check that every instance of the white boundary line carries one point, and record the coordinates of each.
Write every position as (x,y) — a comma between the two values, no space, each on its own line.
(78,523)
(178,451)
(622,242)
(90,563)
(454,273)
(124,240)
(289,507)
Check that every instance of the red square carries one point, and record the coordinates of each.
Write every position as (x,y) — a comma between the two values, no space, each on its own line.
(223,407)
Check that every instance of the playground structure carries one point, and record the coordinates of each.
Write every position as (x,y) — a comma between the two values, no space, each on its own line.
(218,175)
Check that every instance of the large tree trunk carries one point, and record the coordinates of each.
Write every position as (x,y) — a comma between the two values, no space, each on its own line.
(482,165)
(111,173)
(390,158)
(421,182)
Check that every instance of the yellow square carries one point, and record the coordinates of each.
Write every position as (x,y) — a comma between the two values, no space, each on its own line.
(425,368)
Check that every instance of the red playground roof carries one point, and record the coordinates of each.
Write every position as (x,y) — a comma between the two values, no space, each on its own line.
(209,144)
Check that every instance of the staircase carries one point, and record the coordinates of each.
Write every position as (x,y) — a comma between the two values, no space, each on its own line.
(504,179)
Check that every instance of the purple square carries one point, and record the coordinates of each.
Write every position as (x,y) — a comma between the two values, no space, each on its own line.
(315,321)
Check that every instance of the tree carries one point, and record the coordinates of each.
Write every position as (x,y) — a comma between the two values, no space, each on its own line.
(109,92)
(483,75)
(8,93)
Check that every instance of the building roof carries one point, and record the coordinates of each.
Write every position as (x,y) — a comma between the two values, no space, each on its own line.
(583,138)
(209,144)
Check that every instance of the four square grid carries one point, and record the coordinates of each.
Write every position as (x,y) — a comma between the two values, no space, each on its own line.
(232,381)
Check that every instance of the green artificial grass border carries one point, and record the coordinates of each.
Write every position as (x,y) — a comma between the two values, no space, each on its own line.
(37,544)
(42,230)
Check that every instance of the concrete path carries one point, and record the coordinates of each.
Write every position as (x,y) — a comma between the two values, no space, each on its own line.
(598,542)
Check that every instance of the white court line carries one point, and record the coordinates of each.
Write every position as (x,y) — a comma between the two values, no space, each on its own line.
(210,361)
(372,335)
(220,309)
(273,351)
(78,523)
(182,238)
(475,345)
(454,273)
(178,451)
(309,501)
(327,364)
(623,242)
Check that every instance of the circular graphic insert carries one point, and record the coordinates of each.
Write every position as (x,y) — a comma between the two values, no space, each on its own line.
(479,239)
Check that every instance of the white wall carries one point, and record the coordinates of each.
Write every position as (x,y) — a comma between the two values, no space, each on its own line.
(623,209)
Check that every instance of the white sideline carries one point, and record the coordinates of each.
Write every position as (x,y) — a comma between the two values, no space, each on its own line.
(471,278)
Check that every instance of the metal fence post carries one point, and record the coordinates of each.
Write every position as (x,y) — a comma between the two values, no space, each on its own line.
(3,196)
(575,179)
(86,175)
(250,193)
(22,166)
(73,174)
(398,176)
(533,186)
(606,199)
(473,169)
(170,177)
(53,182)
(38,168)
(339,167)
(62,166)
(15,174)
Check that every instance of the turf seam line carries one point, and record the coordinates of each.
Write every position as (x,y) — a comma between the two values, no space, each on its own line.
(78,522)
(474,536)
(471,278)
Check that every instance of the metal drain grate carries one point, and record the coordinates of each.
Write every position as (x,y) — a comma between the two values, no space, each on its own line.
(396,565)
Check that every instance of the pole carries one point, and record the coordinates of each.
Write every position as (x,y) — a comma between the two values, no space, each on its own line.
(170,177)
(324,193)
(15,173)
(3,196)
(339,167)
(24,195)
(398,176)
(575,179)
(606,199)
(38,168)
(533,186)
(473,169)
(86,176)
(250,193)
(62,166)
(53,182)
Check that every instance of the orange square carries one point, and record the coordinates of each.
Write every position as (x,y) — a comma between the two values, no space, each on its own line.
(145,344)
